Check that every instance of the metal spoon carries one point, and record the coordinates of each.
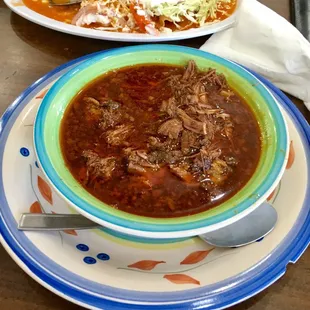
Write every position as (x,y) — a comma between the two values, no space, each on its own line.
(54,222)
(249,229)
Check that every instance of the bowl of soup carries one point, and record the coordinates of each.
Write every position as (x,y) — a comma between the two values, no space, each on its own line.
(161,141)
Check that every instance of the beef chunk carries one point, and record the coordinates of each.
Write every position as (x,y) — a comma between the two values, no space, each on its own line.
(155,143)
(213,78)
(212,152)
(171,128)
(219,171)
(93,111)
(138,162)
(135,168)
(188,141)
(169,144)
(119,135)
(111,114)
(211,129)
(158,156)
(181,172)
(174,156)
(104,112)
(228,129)
(165,156)
(169,106)
(201,165)
(190,70)
(92,101)
(109,104)
(191,124)
(109,119)
(97,166)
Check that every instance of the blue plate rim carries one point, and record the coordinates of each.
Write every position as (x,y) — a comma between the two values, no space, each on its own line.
(237,294)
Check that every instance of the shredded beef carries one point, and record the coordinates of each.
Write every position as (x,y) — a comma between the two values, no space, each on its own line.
(190,71)
(169,106)
(139,163)
(171,128)
(191,124)
(119,135)
(182,172)
(161,140)
(189,141)
(97,166)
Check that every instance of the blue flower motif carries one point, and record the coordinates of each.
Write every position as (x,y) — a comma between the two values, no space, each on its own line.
(37,165)
(82,247)
(24,151)
(103,256)
(89,260)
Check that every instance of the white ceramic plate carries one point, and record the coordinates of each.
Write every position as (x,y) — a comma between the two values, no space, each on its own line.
(19,8)
(99,269)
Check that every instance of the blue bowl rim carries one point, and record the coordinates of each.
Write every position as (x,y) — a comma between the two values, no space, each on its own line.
(282,144)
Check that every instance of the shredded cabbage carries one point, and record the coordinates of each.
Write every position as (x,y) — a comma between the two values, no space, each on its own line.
(121,18)
(196,11)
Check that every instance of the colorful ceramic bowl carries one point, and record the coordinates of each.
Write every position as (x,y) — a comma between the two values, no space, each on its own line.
(267,175)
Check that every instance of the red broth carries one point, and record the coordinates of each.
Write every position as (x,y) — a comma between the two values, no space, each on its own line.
(160,141)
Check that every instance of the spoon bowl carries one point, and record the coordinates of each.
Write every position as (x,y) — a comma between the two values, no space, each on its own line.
(249,229)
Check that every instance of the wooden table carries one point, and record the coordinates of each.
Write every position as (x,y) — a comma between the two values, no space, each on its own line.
(27,51)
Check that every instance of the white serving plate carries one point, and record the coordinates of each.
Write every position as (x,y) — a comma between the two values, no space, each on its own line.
(19,8)
(99,269)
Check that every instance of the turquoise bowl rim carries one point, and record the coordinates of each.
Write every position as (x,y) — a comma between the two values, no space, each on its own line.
(87,209)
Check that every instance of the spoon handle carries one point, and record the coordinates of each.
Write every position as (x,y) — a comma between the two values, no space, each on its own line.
(54,222)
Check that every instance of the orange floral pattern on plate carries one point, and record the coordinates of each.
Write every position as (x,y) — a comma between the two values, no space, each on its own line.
(181,279)
(196,257)
(146,264)
(45,190)
(291,156)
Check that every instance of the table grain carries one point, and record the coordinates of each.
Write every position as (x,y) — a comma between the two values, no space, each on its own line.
(28,51)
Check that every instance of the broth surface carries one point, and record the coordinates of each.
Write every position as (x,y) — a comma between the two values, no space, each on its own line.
(160,141)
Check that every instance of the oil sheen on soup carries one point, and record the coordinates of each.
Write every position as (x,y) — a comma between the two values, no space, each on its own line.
(160,140)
